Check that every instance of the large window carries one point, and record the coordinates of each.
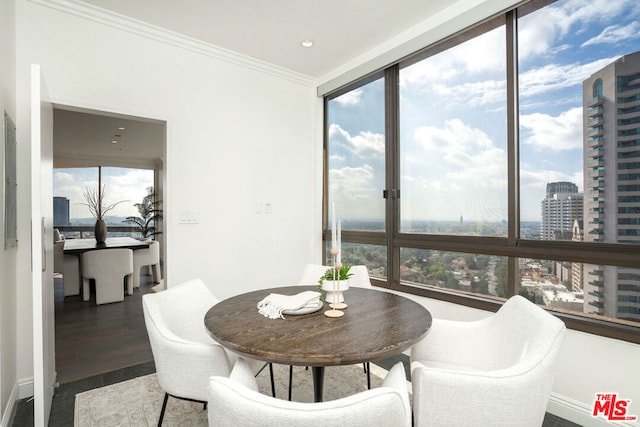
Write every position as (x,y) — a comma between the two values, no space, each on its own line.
(453,144)
(502,161)
(123,187)
(356,156)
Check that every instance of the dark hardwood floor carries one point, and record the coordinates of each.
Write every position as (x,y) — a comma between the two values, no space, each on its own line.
(92,340)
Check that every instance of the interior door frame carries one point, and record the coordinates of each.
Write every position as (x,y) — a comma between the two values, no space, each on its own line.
(41,148)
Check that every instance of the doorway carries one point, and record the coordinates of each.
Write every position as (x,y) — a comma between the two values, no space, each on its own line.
(91,339)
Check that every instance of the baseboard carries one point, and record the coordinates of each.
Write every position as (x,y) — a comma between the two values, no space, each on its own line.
(25,388)
(581,413)
(10,410)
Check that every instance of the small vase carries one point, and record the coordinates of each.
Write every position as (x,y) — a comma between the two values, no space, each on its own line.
(341,286)
(100,231)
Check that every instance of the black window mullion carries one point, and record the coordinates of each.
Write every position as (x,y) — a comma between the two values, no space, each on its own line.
(513,154)
(392,180)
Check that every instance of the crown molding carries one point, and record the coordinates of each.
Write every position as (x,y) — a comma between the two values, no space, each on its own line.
(143,29)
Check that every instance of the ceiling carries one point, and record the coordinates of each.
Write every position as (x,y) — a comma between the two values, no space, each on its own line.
(270,31)
(95,138)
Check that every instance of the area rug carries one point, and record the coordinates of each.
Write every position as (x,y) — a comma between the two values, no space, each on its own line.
(137,402)
(159,287)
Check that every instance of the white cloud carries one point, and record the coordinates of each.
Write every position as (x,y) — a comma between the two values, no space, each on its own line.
(355,192)
(63,177)
(555,133)
(130,188)
(350,98)
(615,33)
(538,32)
(463,172)
(473,94)
(554,77)
(480,55)
(364,145)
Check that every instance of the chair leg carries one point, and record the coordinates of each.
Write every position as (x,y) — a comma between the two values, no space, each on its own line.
(273,384)
(290,380)
(367,369)
(164,406)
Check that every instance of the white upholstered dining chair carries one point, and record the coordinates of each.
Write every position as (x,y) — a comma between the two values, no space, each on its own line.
(67,265)
(236,401)
(147,257)
(110,269)
(185,355)
(497,371)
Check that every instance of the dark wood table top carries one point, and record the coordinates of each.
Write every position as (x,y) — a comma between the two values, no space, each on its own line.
(376,324)
(77,246)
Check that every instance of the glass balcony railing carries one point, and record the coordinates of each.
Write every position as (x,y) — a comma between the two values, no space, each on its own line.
(595,101)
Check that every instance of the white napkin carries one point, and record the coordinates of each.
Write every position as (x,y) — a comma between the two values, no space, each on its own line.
(273,305)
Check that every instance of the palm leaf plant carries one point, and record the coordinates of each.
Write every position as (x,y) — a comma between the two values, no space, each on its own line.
(150,214)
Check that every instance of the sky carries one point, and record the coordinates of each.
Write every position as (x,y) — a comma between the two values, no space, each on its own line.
(121,184)
(453,157)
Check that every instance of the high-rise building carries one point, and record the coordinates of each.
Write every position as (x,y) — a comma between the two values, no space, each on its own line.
(577,235)
(560,208)
(561,187)
(611,120)
(60,211)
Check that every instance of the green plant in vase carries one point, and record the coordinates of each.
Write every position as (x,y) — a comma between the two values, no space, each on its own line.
(340,274)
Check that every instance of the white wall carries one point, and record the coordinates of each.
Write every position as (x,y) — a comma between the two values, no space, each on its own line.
(236,134)
(7,256)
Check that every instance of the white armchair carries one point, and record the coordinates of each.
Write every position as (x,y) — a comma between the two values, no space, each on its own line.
(185,355)
(360,278)
(497,371)
(146,257)
(235,401)
(312,273)
(110,268)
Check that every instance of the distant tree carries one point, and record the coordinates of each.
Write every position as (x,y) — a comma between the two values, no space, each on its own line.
(480,287)
(149,212)
(501,277)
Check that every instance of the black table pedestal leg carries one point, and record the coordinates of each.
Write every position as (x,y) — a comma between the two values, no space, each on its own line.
(318,378)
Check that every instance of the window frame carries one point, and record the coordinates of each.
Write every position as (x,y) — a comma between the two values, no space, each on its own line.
(512,246)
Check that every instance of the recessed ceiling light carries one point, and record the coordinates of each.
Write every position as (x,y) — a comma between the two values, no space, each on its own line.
(120,128)
(114,141)
(306,43)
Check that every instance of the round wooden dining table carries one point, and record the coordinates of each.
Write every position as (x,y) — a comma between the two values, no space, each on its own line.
(376,324)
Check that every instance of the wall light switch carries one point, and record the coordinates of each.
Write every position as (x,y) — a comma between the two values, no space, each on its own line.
(188,216)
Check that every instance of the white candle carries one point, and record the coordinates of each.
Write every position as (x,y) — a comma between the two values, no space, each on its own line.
(339,242)
(333,225)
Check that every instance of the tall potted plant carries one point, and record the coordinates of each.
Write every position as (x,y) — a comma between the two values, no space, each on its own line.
(150,214)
